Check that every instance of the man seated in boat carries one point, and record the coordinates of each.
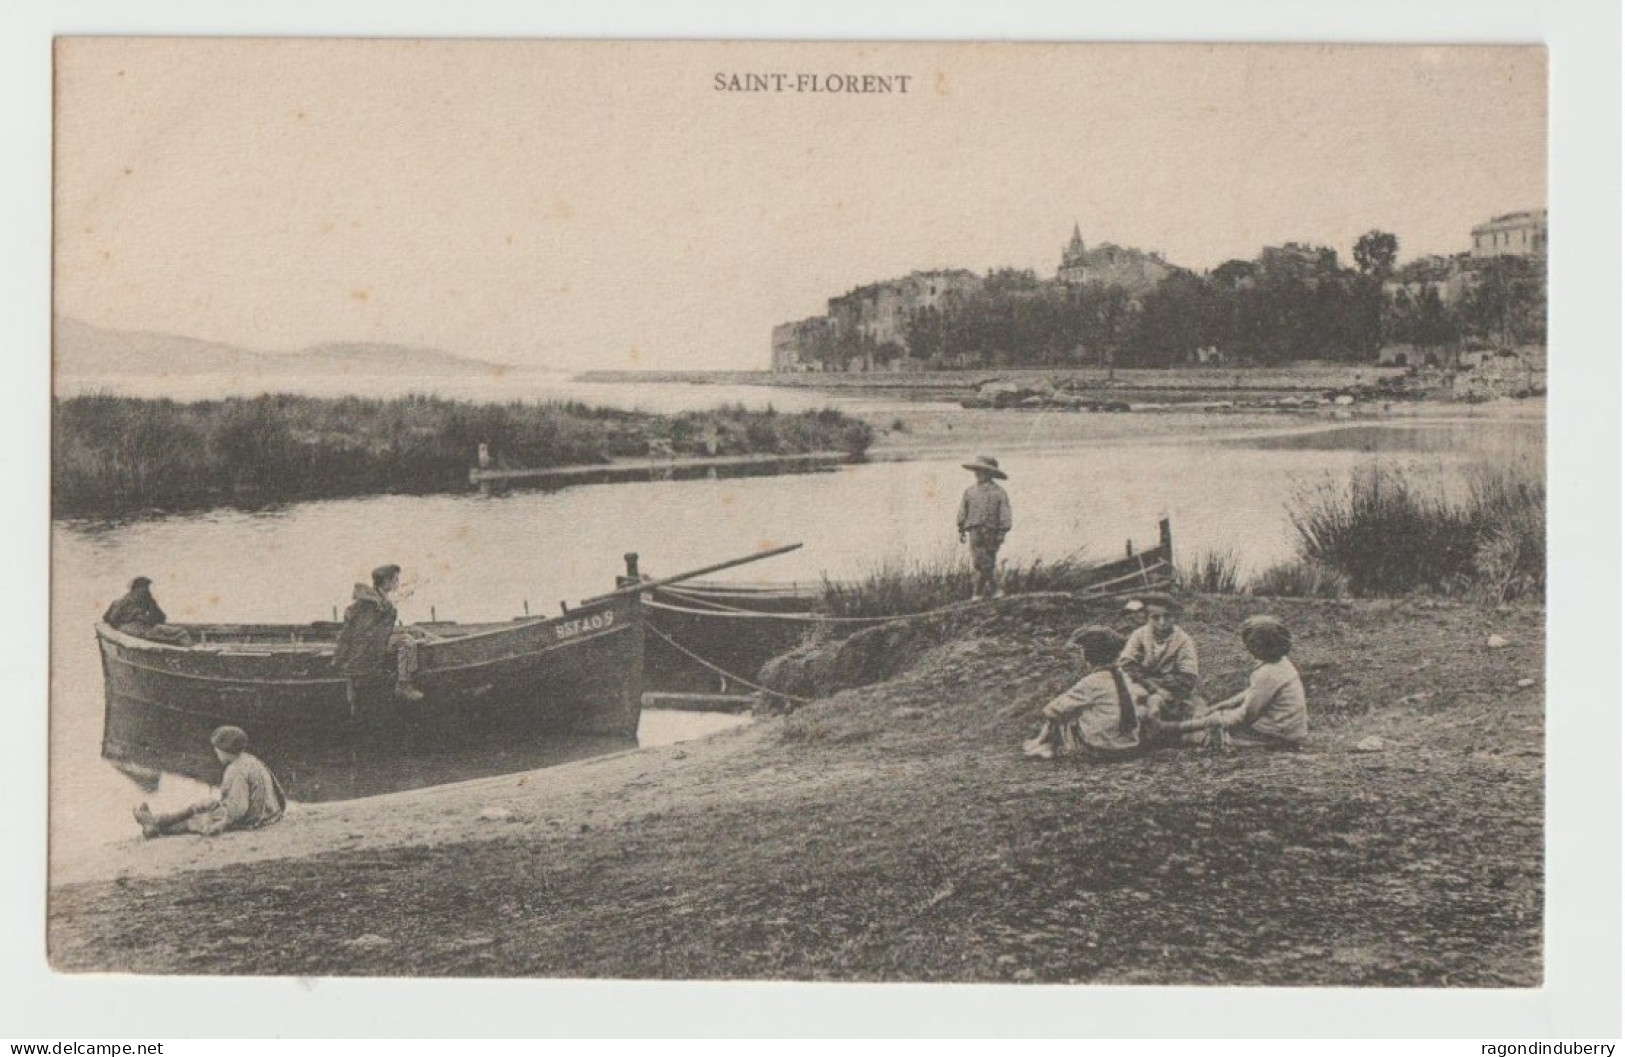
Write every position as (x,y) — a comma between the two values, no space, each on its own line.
(370,642)
(250,796)
(139,614)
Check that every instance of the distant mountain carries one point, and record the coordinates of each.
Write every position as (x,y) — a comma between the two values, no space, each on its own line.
(82,349)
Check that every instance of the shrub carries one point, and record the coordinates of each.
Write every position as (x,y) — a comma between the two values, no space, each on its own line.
(856,437)
(1394,530)
(1509,503)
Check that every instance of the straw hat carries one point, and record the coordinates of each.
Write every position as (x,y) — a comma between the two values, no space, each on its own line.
(986,464)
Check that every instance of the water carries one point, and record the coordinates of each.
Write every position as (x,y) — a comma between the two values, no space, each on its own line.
(472,557)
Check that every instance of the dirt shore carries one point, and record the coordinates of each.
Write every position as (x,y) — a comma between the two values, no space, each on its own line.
(895,832)
(929,431)
(1288,378)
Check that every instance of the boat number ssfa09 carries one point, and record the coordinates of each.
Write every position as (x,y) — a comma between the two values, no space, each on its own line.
(569,629)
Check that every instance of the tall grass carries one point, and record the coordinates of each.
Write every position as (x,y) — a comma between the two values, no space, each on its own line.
(901,586)
(1218,573)
(113,455)
(1393,530)
(1212,573)
(1298,579)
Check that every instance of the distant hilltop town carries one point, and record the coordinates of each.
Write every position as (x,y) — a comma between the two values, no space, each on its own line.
(1118,305)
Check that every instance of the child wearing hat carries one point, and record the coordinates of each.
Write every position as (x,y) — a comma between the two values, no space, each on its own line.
(1161,657)
(984,520)
(1100,716)
(250,796)
(1272,712)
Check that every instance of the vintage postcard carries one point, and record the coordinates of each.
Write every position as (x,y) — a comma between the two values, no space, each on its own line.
(975,513)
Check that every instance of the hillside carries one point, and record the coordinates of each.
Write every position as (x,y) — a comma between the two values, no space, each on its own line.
(80,349)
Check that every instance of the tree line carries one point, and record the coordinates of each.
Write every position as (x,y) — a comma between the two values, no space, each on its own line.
(1290,303)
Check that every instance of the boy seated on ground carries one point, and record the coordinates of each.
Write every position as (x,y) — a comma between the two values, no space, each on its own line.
(250,796)
(1273,711)
(1161,658)
(1100,716)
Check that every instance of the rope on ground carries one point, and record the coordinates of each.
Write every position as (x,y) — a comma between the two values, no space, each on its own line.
(691,655)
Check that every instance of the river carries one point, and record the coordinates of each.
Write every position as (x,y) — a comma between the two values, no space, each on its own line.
(481,557)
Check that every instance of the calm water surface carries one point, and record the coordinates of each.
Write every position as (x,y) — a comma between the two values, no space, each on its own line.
(473,557)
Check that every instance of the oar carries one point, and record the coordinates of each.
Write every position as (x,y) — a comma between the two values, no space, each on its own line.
(691,574)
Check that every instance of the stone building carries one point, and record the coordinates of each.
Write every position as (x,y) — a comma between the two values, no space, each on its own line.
(801,346)
(1135,270)
(1448,277)
(1298,259)
(875,318)
(1512,235)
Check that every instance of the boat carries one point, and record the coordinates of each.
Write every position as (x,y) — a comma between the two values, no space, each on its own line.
(735,627)
(716,635)
(509,693)
(580,674)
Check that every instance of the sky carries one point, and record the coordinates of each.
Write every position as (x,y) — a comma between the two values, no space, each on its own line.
(603,205)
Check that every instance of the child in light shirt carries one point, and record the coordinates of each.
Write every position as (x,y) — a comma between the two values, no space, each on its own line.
(1272,712)
(1161,657)
(1101,715)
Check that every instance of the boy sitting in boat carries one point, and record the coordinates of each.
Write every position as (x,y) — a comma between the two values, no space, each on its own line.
(139,614)
(1161,657)
(250,796)
(370,638)
(1272,712)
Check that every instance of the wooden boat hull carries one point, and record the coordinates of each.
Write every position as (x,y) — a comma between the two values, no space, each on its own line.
(740,627)
(523,685)
(721,623)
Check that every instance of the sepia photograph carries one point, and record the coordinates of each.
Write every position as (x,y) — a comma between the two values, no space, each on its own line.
(813,512)
(817,512)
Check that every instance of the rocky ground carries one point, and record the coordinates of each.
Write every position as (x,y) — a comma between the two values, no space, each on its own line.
(895,832)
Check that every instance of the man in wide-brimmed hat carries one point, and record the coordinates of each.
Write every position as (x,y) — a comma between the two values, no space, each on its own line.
(984,518)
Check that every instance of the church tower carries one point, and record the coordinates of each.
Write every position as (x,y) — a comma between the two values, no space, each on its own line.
(1074,249)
